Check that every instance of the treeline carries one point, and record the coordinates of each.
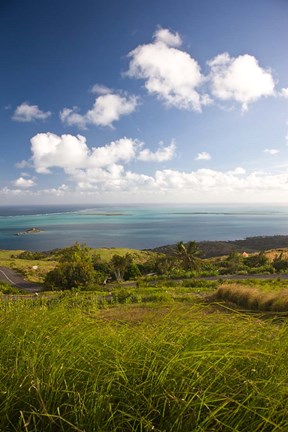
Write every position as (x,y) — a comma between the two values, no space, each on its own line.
(80,267)
(219,248)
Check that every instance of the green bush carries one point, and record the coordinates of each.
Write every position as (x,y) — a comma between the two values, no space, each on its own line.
(5,288)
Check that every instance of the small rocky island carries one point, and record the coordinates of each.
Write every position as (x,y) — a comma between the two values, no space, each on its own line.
(29,231)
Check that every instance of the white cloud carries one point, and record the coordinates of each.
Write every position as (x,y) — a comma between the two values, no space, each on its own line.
(240,79)
(101,89)
(124,150)
(28,113)
(271,151)
(23,164)
(50,150)
(169,73)
(211,181)
(61,191)
(71,117)
(237,171)
(21,182)
(15,192)
(107,109)
(203,156)
(71,152)
(161,155)
(167,37)
(107,169)
(284,93)
(113,178)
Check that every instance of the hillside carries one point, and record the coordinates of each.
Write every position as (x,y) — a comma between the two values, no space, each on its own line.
(219,248)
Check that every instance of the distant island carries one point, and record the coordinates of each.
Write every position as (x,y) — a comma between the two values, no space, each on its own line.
(29,231)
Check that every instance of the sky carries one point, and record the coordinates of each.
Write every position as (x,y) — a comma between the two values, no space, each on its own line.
(143,101)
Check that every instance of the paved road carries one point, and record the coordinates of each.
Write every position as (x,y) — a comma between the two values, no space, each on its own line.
(15,279)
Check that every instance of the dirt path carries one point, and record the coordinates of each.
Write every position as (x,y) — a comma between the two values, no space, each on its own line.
(13,278)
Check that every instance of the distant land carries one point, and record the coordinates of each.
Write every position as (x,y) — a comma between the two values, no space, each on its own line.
(218,248)
(29,231)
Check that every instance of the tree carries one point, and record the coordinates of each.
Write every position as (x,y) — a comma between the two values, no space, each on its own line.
(280,262)
(119,265)
(75,269)
(257,260)
(233,263)
(187,254)
(164,264)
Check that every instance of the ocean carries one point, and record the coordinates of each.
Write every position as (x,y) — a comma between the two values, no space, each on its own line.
(135,226)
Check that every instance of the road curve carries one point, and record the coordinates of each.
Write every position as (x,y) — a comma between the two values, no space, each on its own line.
(13,278)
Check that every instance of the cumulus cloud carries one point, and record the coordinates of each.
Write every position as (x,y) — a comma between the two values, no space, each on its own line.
(29,113)
(21,182)
(72,153)
(71,117)
(167,37)
(108,169)
(240,79)
(101,89)
(23,193)
(284,93)
(212,181)
(50,150)
(237,171)
(271,151)
(107,109)
(161,155)
(203,156)
(124,150)
(169,73)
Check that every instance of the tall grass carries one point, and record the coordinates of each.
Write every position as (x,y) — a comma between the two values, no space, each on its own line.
(67,365)
(255,298)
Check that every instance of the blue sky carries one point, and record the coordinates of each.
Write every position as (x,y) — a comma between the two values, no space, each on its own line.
(143,101)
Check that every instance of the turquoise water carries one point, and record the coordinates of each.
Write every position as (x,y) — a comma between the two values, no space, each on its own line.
(136,227)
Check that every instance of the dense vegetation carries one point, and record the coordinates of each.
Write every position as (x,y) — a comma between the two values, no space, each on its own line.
(250,244)
(167,352)
(79,266)
(71,362)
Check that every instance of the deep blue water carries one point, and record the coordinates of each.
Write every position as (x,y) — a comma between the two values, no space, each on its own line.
(134,226)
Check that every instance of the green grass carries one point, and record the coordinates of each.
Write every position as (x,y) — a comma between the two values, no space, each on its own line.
(138,256)
(68,363)
(9,258)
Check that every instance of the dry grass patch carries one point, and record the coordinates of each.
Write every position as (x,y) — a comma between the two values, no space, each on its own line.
(254,298)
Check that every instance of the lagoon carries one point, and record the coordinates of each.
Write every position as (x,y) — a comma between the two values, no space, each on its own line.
(135,226)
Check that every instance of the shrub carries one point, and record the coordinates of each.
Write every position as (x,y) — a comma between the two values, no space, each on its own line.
(75,270)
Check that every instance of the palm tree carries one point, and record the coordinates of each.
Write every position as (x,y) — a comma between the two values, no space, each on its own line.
(187,254)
